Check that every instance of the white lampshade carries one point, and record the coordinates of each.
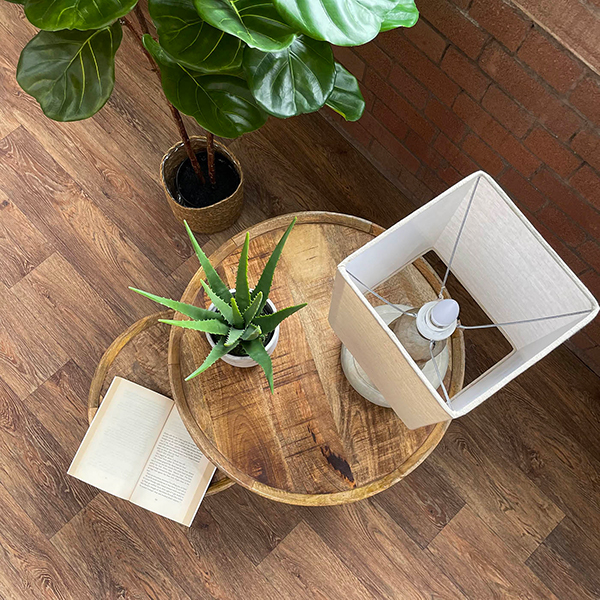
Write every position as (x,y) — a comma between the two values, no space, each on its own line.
(501,260)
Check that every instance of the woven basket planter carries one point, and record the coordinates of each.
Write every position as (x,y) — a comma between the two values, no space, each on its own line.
(208,219)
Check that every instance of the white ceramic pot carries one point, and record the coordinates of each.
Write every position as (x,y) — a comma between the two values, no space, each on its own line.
(246,361)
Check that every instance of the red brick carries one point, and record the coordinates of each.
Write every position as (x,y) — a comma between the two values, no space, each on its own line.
(422,150)
(466,73)
(587,183)
(453,154)
(427,40)
(416,63)
(357,131)
(482,154)
(431,180)
(464,4)
(445,119)
(384,158)
(519,84)
(591,280)
(564,197)
(454,25)
(552,152)
(417,189)
(399,106)
(350,60)
(521,191)
(573,261)
(504,22)
(369,97)
(586,97)
(590,252)
(508,112)
(549,60)
(587,145)
(449,174)
(386,119)
(408,86)
(375,57)
(562,225)
(498,138)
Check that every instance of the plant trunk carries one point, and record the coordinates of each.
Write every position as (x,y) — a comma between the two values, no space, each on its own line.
(185,138)
(210,157)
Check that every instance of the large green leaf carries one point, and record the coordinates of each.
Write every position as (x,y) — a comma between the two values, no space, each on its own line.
(404,14)
(193,42)
(16,1)
(293,81)
(257,352)
(256,22)
(223,104)
(54,15)
(341,22)
(346,97)
(70,73)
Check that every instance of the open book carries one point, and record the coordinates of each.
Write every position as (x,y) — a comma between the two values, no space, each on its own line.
(138,448)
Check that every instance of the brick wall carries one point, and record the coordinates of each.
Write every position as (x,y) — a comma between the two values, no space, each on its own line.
(476,84)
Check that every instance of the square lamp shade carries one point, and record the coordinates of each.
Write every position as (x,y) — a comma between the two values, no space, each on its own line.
(500,259)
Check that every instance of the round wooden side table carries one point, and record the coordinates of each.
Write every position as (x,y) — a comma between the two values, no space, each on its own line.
(140,355)
(315,441)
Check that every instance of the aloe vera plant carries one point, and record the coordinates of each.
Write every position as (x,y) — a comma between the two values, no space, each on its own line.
(238,322)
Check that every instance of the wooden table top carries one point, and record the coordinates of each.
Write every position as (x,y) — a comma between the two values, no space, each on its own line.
(315,441)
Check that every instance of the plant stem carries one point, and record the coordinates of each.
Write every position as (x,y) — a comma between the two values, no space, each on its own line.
(210,156)
(185,138)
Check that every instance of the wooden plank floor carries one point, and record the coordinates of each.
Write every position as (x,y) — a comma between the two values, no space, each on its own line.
(508,506)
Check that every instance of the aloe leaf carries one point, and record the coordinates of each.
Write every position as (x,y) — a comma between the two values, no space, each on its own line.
(211,326)
(251,332)
(242,291)
(219,303)
(234,336)
(257,352)
(253,308)
(215,354)
(189,310)
(215,282)
(238,319)
(266,279)
(269,322)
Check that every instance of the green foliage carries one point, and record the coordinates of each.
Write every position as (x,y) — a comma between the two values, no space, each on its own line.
(346,97)
(70,73)
(54,15)
(244,329)
(192,42)
(305,75)
(226,63)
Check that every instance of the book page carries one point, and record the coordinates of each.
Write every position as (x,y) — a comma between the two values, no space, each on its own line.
(177,475)
(120,439)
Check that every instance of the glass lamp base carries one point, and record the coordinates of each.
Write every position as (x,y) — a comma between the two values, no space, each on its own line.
(360,381)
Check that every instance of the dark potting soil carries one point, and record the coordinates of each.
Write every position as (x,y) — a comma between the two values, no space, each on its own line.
(191,193)
(265,339)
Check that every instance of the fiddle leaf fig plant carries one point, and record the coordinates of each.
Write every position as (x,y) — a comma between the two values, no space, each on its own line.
(228,64)
(239,323)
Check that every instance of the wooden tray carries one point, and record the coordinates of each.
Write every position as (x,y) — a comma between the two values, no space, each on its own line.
(315,441)
(140,355)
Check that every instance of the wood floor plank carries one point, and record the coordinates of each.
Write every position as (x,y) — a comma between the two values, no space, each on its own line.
(22,246)
(30,567)
(302,566)
(502,496)
(110,559)
(379,553)
(422,504)
(83,234)
(34,467)
(60,403)
(481,565)
(25,363)
(70,310)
